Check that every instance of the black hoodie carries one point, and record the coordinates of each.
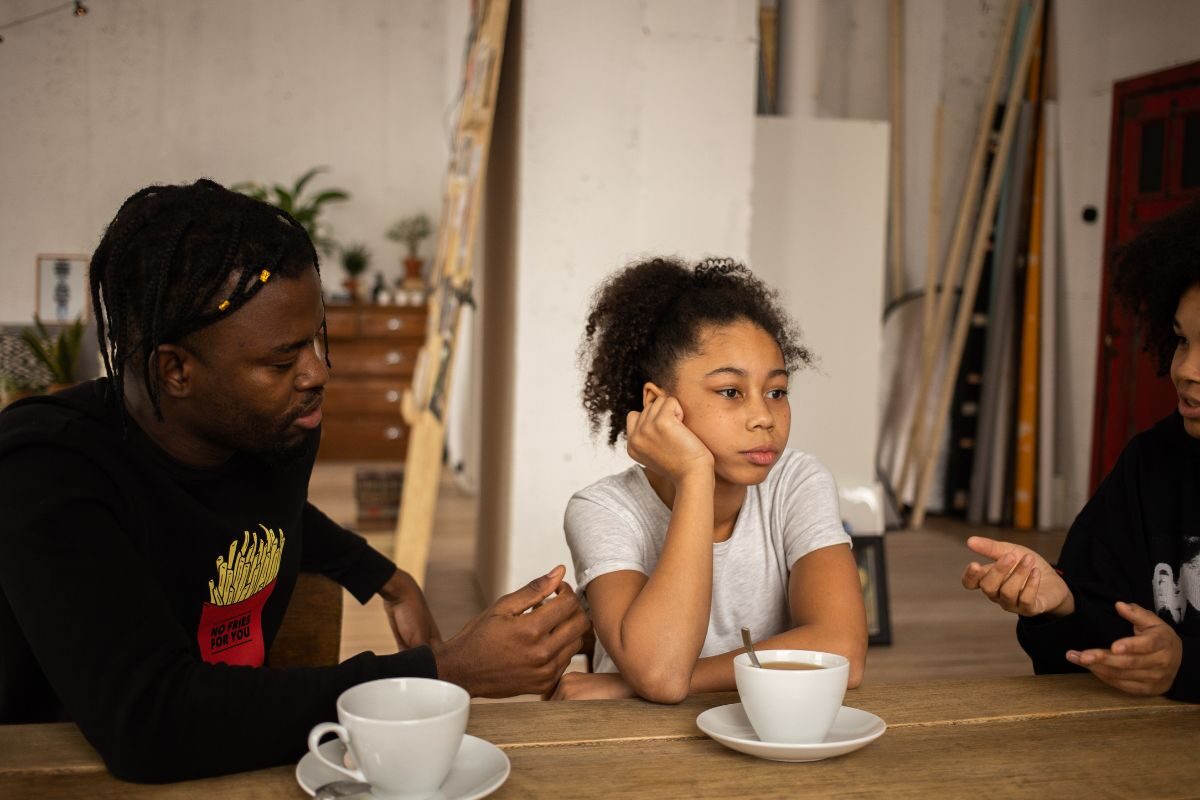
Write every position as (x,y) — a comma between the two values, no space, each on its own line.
(1137,540)
(138,595)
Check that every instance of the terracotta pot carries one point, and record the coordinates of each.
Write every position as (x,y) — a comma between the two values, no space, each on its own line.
(412,269)
(351,286)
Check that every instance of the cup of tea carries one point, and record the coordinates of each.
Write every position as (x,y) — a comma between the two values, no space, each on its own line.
(402,733)
(796,694)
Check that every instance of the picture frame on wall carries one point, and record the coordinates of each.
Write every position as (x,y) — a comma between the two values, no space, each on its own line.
(872,575)
(62,288)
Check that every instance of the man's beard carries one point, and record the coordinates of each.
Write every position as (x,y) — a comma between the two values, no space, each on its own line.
(275,442)
(284,454)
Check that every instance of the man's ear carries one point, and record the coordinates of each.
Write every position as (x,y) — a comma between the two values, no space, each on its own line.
(651,392)
(172,366)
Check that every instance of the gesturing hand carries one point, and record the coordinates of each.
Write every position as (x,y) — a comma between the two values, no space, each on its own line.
(1145,663)
(659,441)
(520,645)
(1019,580)
(408,614)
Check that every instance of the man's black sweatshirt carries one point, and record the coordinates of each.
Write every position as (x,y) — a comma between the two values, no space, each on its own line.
(139,596)
(1137,540)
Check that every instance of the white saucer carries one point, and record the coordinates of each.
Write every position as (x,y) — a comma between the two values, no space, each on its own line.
(852,729)
(479,769)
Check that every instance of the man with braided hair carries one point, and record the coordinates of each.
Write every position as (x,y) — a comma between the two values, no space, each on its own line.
(156,519)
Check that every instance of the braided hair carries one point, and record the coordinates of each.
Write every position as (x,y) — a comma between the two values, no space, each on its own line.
(176,259)
(648,316)
(1153,271)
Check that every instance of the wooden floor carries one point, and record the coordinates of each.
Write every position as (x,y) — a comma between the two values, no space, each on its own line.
(939,630)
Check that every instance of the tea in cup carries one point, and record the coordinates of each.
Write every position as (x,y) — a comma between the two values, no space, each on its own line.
(402,733)
(796,694)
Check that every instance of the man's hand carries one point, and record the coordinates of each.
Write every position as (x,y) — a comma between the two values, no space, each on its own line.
(520,645)
(1019,580)
(1145,663)
(592,686)
(408,613)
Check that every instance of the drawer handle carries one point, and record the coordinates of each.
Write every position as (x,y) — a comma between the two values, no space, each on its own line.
(392,396)
(392,433)
(394,357)
(395,324)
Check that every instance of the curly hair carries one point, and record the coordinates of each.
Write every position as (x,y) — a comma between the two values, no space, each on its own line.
(163,269)
(1153,272)
(646,317)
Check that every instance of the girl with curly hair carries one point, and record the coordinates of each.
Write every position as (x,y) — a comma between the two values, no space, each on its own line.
(719,525)
(1124,600)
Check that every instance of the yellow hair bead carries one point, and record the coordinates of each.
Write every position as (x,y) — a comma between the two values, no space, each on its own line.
(224,305)
(262,276)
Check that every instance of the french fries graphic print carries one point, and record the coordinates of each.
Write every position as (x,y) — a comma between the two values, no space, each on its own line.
(230,629)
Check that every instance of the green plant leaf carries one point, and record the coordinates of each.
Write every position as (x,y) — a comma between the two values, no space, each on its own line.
(329,196)
(306,217)
(58,354)
(303,180)
(284,199)
(37,348)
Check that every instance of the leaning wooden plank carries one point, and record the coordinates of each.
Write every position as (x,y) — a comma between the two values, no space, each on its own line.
(933,235)
(1049,341)
(451,288)
(1027,411)
(971,283)
(966,213)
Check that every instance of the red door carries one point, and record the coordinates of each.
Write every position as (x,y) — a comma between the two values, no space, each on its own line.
(1154,169)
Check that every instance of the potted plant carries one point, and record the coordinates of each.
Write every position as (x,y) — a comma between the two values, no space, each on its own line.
(410,231)
(58,354)
(355,260)
(305,210)
(13,389)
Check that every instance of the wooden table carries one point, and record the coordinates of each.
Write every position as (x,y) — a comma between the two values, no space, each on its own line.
(1066,735)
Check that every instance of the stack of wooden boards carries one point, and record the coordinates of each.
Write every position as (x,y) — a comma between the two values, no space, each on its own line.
(996,393)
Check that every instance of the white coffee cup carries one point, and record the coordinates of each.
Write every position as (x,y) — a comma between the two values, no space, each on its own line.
(403,734)
(792,706)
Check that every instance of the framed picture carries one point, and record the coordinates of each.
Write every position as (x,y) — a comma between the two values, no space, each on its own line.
(62,288)
(872,575)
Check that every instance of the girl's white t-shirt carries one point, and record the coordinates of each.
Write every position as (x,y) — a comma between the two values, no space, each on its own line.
(619,523)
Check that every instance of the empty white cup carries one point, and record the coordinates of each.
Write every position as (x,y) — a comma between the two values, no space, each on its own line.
(403,734)
(792,706)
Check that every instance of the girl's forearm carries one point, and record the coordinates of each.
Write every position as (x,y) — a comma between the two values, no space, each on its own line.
(663,630)
(715,673)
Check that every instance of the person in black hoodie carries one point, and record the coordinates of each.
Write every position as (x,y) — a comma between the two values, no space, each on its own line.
(155,521)
(1124,600)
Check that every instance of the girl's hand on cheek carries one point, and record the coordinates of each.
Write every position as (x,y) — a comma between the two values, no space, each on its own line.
(659,441)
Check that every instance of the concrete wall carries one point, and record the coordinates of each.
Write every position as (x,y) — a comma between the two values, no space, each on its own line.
(636,138)
(146,91)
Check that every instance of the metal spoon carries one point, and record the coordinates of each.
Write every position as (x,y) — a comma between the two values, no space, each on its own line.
(750,647)
(341,789)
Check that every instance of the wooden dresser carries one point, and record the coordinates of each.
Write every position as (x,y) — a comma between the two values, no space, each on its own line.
(373,350)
